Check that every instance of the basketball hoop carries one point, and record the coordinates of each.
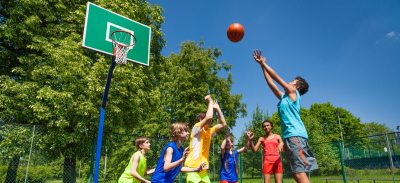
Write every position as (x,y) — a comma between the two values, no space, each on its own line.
(123,41)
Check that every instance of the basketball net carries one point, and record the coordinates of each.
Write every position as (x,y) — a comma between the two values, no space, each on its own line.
(120,53)
(123,42)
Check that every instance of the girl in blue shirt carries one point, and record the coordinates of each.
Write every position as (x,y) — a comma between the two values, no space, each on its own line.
(229,160)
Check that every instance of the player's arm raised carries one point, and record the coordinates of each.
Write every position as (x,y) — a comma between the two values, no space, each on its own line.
(253,147)
(223,145)
(261,60)
(222,122)
(209,113)
(243,149)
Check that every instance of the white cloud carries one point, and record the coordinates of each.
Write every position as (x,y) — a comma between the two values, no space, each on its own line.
(392,35)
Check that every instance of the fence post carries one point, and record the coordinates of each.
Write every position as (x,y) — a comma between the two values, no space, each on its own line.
(341,145)
(213,161)
(240,168)
(30,153)
(105,166)
(92,159)
(390,151)
(80,166)
(341,150)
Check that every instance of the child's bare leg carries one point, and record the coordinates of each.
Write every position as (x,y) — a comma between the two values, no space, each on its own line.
(278,178)
(301,177)
(267,178)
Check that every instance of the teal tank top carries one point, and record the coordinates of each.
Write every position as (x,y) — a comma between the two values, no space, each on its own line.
(289,113)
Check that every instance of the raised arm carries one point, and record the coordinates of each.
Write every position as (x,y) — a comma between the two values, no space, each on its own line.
(223,146)
(243,149)
(134,173)
(209,113)
(222,122)
(261,60)
(289,89)
(253,147)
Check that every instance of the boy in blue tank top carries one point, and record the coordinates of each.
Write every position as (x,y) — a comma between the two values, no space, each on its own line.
(172,156)
(295,136)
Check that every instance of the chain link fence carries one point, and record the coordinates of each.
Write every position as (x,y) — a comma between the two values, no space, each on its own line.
(23,159)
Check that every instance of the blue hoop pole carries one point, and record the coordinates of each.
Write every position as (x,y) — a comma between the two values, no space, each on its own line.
(101,122)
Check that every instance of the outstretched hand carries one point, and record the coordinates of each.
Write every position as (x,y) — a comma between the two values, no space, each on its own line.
(258,57)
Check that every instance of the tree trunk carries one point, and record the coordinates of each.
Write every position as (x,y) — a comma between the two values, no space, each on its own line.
(12,170)
(69,173)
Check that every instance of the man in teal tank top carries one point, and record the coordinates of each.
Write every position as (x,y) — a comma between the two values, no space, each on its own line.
(137,167)
(295,136)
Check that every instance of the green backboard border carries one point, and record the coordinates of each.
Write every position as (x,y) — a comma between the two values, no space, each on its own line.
(98,29)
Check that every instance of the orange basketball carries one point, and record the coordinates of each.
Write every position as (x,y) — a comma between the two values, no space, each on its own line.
(235,32)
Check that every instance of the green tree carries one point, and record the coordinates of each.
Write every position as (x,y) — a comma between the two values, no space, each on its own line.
(14,145)
(328,116)
(252,164)
(48,79)
(324,150)
(373,128)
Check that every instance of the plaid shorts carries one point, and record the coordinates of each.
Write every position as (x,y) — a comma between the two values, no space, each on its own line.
(299,156)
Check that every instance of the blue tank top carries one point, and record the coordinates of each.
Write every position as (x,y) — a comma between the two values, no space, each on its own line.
(289,113)
(228,166)
(159,174)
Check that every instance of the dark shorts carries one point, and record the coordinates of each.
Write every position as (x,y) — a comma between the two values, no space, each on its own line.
(299,156)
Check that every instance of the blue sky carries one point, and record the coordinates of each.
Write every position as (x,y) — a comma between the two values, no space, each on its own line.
(349,51)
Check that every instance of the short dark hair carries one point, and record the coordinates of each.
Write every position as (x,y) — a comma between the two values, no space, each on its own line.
(139,141)
(267,121)
(302,85)
(201,116)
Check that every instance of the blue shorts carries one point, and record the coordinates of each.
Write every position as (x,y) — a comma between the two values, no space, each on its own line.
(299,155)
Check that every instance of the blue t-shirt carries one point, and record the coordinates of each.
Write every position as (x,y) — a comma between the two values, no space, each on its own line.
(289,113)
(228,166)
(159,174)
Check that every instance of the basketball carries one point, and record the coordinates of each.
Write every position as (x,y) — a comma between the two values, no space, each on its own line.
(235,32)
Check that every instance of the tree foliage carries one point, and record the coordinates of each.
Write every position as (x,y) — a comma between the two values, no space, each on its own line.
(48,79)
(373,128)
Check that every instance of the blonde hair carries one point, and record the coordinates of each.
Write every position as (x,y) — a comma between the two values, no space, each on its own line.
(176,129)
(139,141)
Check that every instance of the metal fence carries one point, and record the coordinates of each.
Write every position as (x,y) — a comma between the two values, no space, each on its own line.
(23,159)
